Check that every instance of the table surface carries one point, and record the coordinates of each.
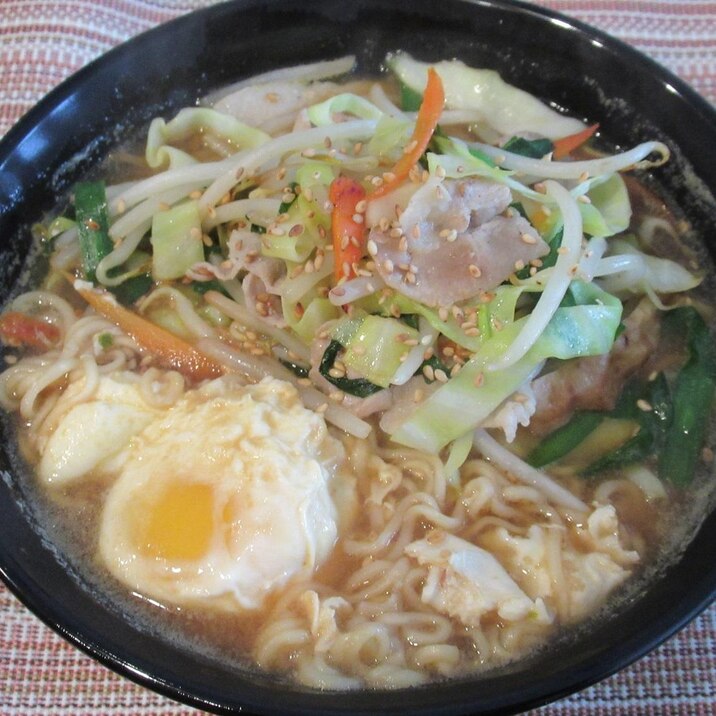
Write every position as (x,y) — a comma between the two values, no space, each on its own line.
(44,41)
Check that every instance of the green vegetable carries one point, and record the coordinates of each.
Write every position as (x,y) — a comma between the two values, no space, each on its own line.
(376,348)
(564,439)
(286,205)
(410,99)
(298,370)
(533,148)
(321,114)
(92,225)
(587,328)
(693,396)
(353,386)
(192,121)
(505,108)
(176,241)
(201,287)
(131,290)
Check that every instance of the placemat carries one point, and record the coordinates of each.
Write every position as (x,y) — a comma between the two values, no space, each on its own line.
(41,43)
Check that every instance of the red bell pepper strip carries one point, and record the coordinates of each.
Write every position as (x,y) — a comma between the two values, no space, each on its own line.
(347,233)
(22,331)
(427,120)
(566,145)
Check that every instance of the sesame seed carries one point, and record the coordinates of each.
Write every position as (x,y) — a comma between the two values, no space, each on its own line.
(428,372)
(310,152)
(410,278)
(239,173)
(478,380)
(196,194)
(443,313)
(361,206)
(388,266)
(441,376)
(583,176)
(322,408)
(519,265)
(584,199)
(396,233)
(296,230)
(358,218)
(388,177)
(327,143)
(372,247)
(440,172)
(410,146)
(448,351)
(529,239)
(475,271)
(337,396)
(540,187)
(318,261)
(403,243)
(418,395)
(644,405)
(346,268)
(474,331)
(357,148)
(309,266)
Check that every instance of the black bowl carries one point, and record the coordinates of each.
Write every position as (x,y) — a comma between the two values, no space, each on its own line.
(69,132)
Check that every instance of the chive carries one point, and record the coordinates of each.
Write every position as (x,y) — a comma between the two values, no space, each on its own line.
(410,319)
(563,440)
(693,396)
(300,370)
(533,148)
(93,225)
(286,205)
(410,100)
(201,287)
(653,424)
(132,289)
(360,387)
(105,340)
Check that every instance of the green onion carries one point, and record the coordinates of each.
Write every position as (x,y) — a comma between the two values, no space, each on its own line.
(563,440)
(533,148)
(693,396)
(299,370)
(92,225)
(359,387)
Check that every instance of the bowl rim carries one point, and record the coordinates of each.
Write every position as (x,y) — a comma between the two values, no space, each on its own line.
(694,603)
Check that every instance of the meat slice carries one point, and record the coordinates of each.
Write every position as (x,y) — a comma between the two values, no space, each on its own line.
(594,383)
(454,243)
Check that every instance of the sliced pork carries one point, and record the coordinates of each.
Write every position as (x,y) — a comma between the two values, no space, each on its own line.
(454,243)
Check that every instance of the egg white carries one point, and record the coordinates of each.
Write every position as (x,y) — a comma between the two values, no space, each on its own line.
(224,498)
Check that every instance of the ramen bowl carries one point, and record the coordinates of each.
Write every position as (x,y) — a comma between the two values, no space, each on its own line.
(69,133)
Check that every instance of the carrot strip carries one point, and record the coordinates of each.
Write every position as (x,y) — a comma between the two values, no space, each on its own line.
(170,351)
(566,145)
(19,330)
(428,116)
(347,233)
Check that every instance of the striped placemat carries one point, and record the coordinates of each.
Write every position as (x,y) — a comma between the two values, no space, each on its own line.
(44,41)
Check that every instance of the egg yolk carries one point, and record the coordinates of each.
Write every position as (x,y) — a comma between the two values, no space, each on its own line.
(179,524)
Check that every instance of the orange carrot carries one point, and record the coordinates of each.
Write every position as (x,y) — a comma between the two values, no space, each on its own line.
(22,331)
(347,233)
(170,351)
(428,115)
(566,145)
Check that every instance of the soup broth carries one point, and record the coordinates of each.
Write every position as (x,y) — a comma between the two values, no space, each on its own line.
(361,397)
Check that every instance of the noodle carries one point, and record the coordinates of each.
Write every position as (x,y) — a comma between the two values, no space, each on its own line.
(317,363)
